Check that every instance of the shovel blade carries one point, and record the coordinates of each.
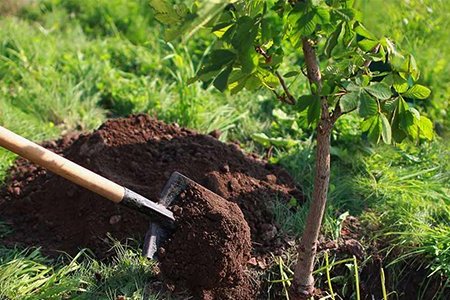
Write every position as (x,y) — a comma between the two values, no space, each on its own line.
(156,234)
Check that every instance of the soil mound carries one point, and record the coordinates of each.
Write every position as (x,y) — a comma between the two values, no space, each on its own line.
(140,153)
(209,250)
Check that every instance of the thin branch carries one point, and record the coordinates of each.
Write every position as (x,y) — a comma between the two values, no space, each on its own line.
(304,72)
(282,98)
(312,66)
(348,111)
(314,75)
(337,112)
(287,97)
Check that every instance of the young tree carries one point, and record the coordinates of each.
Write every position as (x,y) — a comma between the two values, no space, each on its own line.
(349,70)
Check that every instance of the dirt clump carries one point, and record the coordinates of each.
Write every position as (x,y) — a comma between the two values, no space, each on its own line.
(209,250)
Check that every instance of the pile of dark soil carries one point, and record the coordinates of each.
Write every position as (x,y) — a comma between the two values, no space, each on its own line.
(140,153)
(210,248)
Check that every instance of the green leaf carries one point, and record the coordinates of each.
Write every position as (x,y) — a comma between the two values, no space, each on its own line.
(314,111)
(262,139)
(266,30)
(332,40)
(266,141)
(367,105)
(306,24)
(268,78)
(293,202)
(426,128)
(411,125)
(373,128)
(349,101)
(405,115)
(399,84)
(304,101)
(291,74)
(171,33)
(164,12)
(367,45)
(407,119)
(390,105)
(379,90)
(402,107)
(362,31)
(216,61)
(398,134)
(283,142)
(220,29)
(249,60)
(322,15)
(346,14)
(281,115)
(363,80)
(365,125)
(189,24)
(386,131)
(418,91)
(237,81)
(348,35)
(221,81)
(221,57)
(410,66)
(328,88)
(352,87)
(245,34)
(253,83)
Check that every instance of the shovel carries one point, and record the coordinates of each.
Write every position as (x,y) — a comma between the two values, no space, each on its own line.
(162,219)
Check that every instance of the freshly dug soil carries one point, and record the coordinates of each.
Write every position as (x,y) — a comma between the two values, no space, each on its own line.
(140,153)
(210,248)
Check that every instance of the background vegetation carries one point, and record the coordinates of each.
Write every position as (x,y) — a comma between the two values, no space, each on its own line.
(68,65)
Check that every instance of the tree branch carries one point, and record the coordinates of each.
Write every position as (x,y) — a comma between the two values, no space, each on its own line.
(313,73)
(312,66)
(287,97)
(337,112)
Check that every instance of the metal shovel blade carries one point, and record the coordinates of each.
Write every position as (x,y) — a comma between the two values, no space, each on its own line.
(156,234)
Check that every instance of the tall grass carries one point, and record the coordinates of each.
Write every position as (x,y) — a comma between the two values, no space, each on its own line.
(27,274)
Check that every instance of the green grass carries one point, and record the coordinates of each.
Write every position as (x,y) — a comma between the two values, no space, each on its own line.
(26,274)
(68,65)
(400,193)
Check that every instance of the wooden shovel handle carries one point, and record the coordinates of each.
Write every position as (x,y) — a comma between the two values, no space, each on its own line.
(61,166)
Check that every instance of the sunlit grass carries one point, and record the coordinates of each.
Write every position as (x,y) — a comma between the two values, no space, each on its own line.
(26,274)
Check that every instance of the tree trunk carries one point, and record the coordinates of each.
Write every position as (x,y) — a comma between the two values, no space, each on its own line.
(303,285)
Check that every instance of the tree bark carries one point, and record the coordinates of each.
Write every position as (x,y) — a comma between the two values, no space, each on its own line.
(303,283)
